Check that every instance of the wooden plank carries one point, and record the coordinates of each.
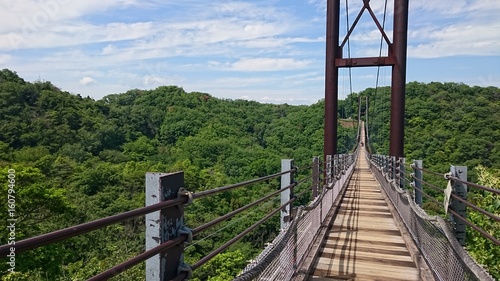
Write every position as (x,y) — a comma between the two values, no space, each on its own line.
(364,243)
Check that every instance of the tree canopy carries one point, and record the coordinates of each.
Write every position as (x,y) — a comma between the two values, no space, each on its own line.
(78,159)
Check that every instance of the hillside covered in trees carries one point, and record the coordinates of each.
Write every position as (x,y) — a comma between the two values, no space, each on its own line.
(77,159)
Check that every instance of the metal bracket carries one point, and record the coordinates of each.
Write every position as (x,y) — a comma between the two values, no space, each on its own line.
(185,192)
(184,267)
(185,230)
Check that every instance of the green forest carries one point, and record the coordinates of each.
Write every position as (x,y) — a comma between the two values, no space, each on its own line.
(77,159)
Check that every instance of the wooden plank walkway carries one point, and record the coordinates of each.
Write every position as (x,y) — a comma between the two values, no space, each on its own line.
(364,242)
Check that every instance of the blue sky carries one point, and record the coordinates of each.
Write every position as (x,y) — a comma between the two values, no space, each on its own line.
(270,51)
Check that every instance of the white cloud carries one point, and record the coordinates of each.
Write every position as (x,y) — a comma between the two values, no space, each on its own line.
(154,81)
(269,64)
(74,34)
(17,15)
(467,8)
(87,81)
(229,48)
(459,39)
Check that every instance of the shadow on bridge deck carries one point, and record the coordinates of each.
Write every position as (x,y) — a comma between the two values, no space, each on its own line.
(364,242)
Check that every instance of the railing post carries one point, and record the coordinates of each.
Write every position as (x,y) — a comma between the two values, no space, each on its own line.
(393,168)
(385,163)
(336,164)
(315,177)
(460,190)
(417,183)
(341,165)
(164,225)
(402,171)
(388,165)
(329,172)
(286,180)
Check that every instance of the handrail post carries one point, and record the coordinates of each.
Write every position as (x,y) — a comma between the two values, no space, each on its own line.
(335,167)
(390,170)
(460,190)
(401,173)
(286,180)
(329,172)
(163,225)
(341,166)
(417,182)
(393,168)
(315,177)
(386,164)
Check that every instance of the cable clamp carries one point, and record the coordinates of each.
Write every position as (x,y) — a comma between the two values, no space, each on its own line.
(184,267)
(185,192)
(185,230)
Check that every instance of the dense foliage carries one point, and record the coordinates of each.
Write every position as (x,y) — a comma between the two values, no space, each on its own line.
(77,159)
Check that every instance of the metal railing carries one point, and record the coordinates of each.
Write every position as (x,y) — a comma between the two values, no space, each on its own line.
(167,234)
(286,258)
(440,242)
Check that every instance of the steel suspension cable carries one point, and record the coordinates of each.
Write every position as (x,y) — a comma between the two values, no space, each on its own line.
(348,44)
(378,72)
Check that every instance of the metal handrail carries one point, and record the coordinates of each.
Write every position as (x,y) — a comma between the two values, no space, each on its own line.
(226,245)
(485,188)
(63,234)
(241,184)
(464,201)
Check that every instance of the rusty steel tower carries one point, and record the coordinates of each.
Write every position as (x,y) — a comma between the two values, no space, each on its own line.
(396,58)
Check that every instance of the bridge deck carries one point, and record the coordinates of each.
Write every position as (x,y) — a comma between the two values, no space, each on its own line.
(364,242)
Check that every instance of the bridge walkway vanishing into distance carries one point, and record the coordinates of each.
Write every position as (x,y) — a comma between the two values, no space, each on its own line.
(364,241)
(364,220)
(363,223)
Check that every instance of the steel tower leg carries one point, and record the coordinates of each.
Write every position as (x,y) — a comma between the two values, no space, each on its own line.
(333,51)
(398,87)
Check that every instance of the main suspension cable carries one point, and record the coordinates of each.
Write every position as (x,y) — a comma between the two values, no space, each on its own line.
(379,115)
(348,43)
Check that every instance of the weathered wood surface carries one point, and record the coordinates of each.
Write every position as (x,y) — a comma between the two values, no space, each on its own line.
(364,242)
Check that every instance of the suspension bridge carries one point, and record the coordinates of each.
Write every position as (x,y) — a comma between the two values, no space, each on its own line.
(364,221)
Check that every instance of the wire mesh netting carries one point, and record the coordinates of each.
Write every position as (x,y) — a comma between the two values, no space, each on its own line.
(281,258)
(432,235)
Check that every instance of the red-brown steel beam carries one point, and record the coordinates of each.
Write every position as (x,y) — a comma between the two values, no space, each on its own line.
(333,51)
(398,87)
(396,58)
(363,62)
